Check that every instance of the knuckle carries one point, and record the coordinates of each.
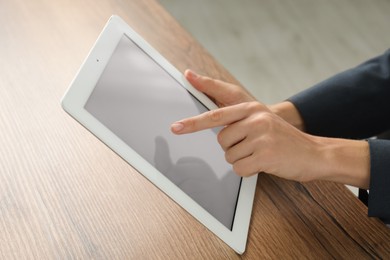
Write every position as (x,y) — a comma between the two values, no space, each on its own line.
(240,170)
(208,81)
(266,120)
(215,115)
(228,158)
(220,138)
(265,117)
(255,106)
(190,124)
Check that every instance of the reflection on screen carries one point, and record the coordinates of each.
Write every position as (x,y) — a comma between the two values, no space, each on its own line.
(137,100)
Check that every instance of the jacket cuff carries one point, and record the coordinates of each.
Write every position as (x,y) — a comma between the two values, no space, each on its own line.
(379,197)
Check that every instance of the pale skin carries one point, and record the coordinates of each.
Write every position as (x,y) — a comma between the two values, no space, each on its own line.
(259,138)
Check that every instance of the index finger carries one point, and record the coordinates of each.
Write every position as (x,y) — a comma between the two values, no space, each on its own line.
(210,119)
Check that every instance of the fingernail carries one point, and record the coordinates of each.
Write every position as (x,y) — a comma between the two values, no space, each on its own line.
(176,127)
(192,74)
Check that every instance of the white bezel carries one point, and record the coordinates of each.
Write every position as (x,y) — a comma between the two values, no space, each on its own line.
(81,88)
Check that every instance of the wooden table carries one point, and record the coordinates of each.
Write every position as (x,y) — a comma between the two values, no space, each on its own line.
(64,195)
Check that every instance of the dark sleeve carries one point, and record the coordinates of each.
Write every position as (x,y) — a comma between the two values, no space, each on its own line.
(379,197)
(352,104)
(356,104)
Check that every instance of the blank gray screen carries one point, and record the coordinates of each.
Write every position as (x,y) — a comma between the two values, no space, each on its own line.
(138,101)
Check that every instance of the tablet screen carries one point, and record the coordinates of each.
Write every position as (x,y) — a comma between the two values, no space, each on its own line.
(138,101)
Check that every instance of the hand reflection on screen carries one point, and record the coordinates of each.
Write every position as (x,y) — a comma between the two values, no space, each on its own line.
(198,180)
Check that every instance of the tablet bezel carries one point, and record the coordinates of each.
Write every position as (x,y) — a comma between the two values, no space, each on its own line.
(80,90)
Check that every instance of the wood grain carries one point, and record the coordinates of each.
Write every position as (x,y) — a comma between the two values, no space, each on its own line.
(64,195)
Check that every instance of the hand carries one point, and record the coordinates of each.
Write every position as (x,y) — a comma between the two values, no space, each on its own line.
(257,140)
(254,139)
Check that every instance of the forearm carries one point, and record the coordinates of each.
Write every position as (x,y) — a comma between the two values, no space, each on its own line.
(289,113)
(339,160)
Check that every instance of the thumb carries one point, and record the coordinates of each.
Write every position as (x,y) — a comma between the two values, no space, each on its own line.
(222,93)
(214,89)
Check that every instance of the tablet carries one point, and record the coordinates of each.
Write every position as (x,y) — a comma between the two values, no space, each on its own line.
(128,95)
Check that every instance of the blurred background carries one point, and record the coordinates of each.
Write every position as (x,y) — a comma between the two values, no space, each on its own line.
(276,48)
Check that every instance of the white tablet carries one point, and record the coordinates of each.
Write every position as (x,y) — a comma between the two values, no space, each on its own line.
(128,95)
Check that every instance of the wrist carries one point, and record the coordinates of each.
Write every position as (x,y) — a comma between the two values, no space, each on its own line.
(343,161)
